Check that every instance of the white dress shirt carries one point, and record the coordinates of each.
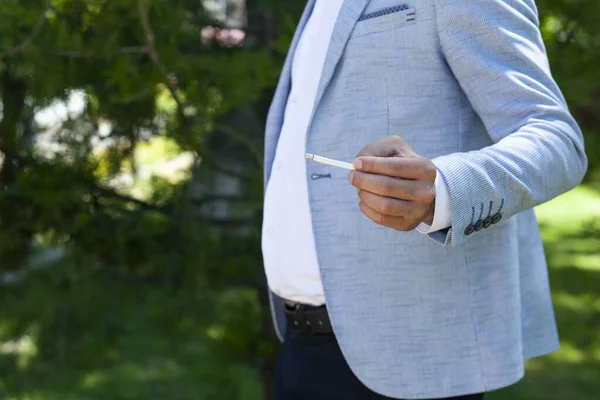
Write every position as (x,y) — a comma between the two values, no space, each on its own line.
(288,247)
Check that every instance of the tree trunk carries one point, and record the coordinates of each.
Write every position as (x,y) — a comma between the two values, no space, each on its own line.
(13,92)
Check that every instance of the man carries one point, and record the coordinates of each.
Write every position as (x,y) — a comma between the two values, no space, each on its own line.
(430,282)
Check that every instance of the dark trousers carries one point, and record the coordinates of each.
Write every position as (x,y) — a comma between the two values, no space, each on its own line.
(313,368)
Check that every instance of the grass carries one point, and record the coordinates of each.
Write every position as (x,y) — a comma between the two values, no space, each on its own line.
(105,339)
(570,228)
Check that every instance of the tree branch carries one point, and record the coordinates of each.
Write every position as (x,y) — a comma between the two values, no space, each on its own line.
(172,85)
(232,133)
(100,192)
(222,222)
(212,163)
(89,54)
(210,198)
(36,29)
(227,222)
(154,57)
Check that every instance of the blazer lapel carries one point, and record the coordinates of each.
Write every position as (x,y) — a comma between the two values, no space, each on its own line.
(349,14)
(277,110)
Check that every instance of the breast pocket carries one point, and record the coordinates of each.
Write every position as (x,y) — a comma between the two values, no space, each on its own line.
(384,20)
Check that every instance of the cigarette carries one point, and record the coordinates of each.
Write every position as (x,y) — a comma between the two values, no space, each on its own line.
(328,161)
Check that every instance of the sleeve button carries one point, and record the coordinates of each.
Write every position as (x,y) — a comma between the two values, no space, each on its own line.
(470,229)
(496,218)
(487,222)
(479,225)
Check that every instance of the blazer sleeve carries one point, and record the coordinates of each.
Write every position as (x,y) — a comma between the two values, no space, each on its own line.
(496,52)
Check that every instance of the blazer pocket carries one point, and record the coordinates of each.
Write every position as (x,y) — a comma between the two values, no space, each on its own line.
(384,20)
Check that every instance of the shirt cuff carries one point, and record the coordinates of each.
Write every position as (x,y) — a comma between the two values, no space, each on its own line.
(442,217)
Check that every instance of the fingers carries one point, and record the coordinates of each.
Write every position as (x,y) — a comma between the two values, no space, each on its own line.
(396,186)
(398,223)
(407,168)
(385,205)
(389,146)
(386,186)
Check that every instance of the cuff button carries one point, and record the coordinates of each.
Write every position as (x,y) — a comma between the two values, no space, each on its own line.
(479,225)
(470,229)
(487,222)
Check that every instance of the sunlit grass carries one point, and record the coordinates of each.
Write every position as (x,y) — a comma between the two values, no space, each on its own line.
(567,213)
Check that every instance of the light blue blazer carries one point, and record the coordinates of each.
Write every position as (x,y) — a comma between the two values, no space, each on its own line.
(467,84)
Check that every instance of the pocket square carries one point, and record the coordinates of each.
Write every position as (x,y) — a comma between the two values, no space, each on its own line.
(410,12)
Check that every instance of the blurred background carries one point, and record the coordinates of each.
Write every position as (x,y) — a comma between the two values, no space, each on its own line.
(131,195)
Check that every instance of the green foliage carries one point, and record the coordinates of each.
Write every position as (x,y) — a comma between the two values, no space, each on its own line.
(105,336)
(127,270)
(130,263)
(572,35)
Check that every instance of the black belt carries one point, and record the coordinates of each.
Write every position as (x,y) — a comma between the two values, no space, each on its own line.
(305,319)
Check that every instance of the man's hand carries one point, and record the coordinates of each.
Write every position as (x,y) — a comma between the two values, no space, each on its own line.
(396,187)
